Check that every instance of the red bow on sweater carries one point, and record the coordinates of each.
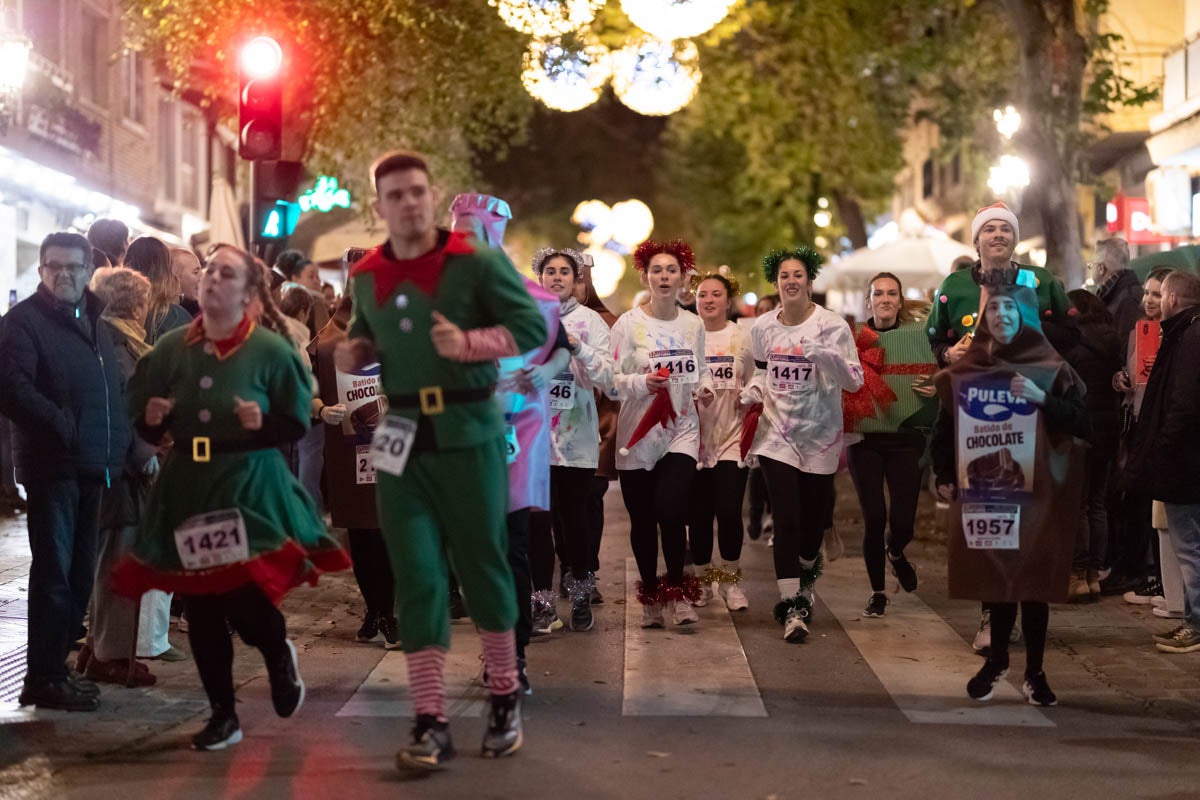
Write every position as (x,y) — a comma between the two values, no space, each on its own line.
(660,412)
(874,393)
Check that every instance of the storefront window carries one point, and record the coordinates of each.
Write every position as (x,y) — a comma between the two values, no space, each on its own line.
(94,53)
(133,85)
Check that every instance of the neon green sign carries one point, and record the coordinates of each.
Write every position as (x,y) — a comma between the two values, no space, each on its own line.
(325,196)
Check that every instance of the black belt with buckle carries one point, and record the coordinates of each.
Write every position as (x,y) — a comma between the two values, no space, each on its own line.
(433,400)
(201,448)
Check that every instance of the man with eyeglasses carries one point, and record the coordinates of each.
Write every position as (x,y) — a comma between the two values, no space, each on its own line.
(63,393)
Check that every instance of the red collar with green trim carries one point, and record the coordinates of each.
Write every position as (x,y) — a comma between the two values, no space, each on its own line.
(424,270)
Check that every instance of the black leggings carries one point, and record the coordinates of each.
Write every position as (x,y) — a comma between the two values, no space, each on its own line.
(518,562)
(657,500)
(1035,620)
(895,461)
(716,492)
(566,530)
(373,570)
(759,501)
(596,491)
(256,620)
(801,503)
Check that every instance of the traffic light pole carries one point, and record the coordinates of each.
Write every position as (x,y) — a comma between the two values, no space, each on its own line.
(252,220)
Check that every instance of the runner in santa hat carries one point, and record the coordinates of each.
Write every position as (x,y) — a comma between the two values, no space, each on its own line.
(805,358)
(660,375)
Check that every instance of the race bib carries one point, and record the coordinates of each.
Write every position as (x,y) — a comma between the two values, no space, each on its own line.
(992,526)
(212,540)
(512,448)
(787,372)
(681,364)
(562,391)
(722,369)
(392,443)
(364,469)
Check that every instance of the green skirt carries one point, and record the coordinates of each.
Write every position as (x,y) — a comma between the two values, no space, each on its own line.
(285,539)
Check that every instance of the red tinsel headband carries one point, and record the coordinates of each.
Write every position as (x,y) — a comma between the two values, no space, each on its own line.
(678,248)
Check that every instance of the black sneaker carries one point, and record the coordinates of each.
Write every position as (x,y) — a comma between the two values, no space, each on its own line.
(581,614)
(458,609)
(390,628)
(431,746)
(904,572)
(1119,584)
(876,605)
(523,678)
(983,685)
(504,734)
(1037,691)
(369,631)
(287,687)
(83,684)
(221,731)
(1169,636)
(597,598)
(57,693)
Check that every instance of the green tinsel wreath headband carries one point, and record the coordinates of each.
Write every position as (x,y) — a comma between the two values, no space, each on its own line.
(811,259)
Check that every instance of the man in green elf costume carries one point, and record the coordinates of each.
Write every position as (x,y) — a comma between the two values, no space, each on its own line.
(956,304)
(436,309)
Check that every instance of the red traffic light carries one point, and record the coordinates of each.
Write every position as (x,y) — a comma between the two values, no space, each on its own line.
(261,57)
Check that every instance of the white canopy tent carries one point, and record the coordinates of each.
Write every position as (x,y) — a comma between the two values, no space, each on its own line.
(919,263)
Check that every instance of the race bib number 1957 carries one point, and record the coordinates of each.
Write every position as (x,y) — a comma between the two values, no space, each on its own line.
(992,526)
(212,540)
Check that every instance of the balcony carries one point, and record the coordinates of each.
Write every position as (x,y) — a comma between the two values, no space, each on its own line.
(1181,85)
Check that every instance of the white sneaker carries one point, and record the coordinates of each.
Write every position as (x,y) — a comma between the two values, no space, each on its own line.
(706,595)
(794,627)
(1166,613)
(983,637)
(1158,601)
(683,613)
(652,616)
(735,598)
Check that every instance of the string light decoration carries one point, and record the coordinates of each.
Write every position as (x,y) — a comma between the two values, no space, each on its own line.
(656,78)
(547,18)
(566,74)
(676,19)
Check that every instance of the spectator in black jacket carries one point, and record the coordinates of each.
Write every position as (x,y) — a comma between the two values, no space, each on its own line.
(1096,356)
(1165,457)
(63,393)
(1117,285)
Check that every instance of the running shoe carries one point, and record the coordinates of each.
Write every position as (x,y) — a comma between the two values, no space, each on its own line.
(581,614)
(876,605)
(431,746)
(504,734)
(902,568)
(1185,640)
(1169,636)
(390,628)
(287,687)
(544,614)
(983,685)
(1166,613)
(1144,594)
(652,616)
(369,631)
(706,595)
(221,731)
(795,629)
(1037,690)
(682,613)
(735,598)
(1158,600)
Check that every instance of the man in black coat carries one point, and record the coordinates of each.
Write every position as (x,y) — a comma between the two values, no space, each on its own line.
(1118,285)
(63,393)
(1165,459)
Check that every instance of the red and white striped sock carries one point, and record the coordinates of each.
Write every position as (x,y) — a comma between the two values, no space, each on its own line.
(427,681)
(500,660)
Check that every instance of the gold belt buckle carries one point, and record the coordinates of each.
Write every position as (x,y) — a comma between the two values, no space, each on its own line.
(431,400)
(201,449)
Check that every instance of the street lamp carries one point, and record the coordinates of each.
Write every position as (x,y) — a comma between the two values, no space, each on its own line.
(14,61)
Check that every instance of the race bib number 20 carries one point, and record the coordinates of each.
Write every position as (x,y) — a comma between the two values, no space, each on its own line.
(392,444)
(680,364)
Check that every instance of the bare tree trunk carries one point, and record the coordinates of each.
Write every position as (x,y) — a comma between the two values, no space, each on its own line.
(1053,61)
(850,212)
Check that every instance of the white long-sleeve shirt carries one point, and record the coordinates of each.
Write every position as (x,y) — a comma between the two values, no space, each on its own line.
(640,344)
(731,365)
(575,425)
(807,367)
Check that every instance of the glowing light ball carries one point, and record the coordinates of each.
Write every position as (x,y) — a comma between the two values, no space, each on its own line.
(547,18)
(607,269)
(632,223)
(566,76)
(656,78)
(675,19)
(594,217)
